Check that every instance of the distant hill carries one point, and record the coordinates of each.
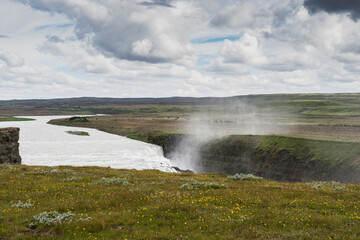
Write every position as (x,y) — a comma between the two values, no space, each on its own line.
(94,101)
(93,105)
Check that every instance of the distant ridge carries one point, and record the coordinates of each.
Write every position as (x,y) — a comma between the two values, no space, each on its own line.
(89,101)
(93,101)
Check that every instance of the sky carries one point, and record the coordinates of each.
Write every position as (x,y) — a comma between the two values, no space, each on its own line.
(164,48)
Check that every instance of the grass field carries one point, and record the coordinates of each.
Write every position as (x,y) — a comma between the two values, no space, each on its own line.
(11,119)
(137,125)
(333,117)
(103,203)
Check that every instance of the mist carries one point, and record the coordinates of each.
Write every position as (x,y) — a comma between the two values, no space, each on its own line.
(215,122)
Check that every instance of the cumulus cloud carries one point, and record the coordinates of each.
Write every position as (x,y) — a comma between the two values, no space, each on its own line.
(82,56)
(248,51)
(218,66)
(292,40)
(131,30)
(54,38)
(11,59)
(39,81)
(197,78)
(229,16)
(245,50)
(280,46)
(258,15)
(352,7)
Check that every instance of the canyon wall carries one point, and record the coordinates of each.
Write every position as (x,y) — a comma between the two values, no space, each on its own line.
(273,157)
(9,146)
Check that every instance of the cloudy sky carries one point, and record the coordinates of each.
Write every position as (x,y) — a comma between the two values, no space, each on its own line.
(161,48)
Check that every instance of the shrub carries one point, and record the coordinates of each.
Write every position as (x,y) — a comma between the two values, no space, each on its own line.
(241,176)
(186,179)
(69,172)
(78,119)
(21,204)
(114,180)
(200,186)
(51,218)
(332,186)
(41,171)
(54,171)
(72,179)
(85,219)
(337,186)
(318,185)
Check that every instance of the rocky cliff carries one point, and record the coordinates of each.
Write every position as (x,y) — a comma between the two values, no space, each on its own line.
(9,146)
(273,157)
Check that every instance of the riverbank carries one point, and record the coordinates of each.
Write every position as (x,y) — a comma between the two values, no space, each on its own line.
(14,119)
(103,203)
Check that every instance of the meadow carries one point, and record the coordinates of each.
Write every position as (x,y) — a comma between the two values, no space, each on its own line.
(103,203)
(333,117)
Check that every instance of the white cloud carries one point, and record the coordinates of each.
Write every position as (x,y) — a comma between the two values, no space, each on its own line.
(144,48)
(130,30)
(246,50)
(25,81)
(196,78)
(11,59)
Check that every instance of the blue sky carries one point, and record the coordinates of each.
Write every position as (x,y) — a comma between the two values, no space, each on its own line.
(214,39)
(52,26)
(65,48)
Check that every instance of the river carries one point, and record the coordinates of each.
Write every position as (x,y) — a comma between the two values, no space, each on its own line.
(49,145)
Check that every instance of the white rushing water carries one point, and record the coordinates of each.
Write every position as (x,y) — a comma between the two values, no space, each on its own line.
(50,145)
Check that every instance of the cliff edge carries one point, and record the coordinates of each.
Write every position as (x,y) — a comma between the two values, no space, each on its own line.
(272,157)
(9,146)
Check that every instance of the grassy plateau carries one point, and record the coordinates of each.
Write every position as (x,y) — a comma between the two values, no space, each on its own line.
(103,203)
(333,117)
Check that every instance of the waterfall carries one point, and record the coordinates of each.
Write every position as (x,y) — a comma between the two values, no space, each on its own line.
(49,145)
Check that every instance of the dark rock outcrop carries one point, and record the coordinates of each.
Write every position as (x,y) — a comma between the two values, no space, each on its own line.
(9,146)
(272,157)
(169,142)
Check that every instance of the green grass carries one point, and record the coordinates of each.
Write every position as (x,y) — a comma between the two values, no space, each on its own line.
(135,137)
(154,206)
(330,152)
(79,133)
(12,119)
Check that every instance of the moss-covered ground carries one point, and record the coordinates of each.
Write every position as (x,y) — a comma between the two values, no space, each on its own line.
(128,204)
